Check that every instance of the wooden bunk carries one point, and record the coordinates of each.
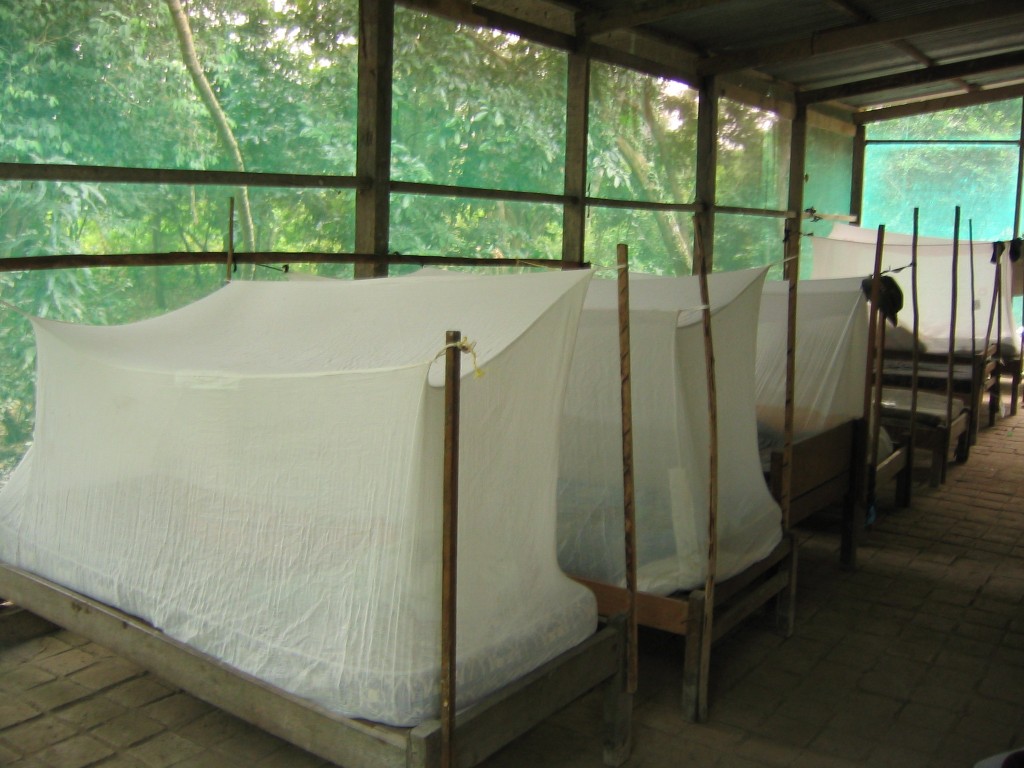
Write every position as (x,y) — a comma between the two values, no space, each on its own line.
(703,615)
(975,378)
(454,740)
(948,426)
(841,466)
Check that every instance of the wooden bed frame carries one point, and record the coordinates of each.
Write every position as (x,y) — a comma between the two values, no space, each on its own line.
(702,615)
(480,730)
(960,376)
(975,377)
(685,613)
(455,740)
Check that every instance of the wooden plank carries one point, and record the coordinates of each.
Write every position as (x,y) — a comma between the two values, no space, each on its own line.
(180,258)
(829,493)
(738,610)
(818,459)
(106,174)
(733,586)
(670,614)
(475,193)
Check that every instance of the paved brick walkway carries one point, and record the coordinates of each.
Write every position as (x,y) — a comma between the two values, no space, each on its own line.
(915,660)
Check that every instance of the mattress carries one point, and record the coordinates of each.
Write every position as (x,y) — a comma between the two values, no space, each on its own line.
(286,626)
(931,407)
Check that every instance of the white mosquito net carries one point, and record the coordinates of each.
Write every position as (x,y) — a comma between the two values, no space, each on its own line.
(831,354)
(850,251)
(258,474)
(671,438)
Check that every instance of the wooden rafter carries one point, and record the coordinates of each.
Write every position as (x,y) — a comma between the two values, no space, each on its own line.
(940,103)
(938,73)
(903,46)
(625,15)
(860,35)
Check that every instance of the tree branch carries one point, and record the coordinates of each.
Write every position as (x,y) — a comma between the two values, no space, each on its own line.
(209,98)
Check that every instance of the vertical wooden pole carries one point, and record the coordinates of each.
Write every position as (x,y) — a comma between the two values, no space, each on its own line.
(974,295)
(857,177)
(876,275)
(574,212)
(952,319)
(628,499)
(449,546)
(915,355)
(1020,177)
(797,166)
(231,239)
(707,623)
(707,166)
(373,134)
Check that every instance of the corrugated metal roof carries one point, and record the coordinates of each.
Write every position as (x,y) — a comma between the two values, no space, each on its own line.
(930,47)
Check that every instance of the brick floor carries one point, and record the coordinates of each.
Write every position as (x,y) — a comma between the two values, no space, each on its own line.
(916,659)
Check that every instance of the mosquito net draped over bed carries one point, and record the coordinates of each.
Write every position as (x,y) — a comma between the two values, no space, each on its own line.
(831,352)
(670,436)
(850,251)
(258,474)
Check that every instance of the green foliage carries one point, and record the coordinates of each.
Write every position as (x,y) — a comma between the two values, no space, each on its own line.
(96,82)
(642,147)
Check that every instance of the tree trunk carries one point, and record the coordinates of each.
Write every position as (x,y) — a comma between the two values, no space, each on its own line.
(195,69)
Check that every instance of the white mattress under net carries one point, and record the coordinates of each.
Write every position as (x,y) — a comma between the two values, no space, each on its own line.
(258,474)
(671,438)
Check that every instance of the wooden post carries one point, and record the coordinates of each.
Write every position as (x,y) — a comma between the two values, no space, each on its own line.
(708,608)
(974,295)
(231,239)
(449,546)
(857,177)
(707,164)
(915,355)
(373,134)
(873,320)
(952,319)
(576,121)
(872,402)
(628,499)
(797,166)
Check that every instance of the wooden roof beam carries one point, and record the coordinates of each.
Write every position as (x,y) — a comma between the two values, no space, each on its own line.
(940,72)
(940,103)
(860,35)
(625,15)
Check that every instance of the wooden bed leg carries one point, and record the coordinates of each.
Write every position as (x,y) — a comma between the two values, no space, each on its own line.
(938,469)
(695,679)
(618,711)
(904,483)
(785,602)
(854,517)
